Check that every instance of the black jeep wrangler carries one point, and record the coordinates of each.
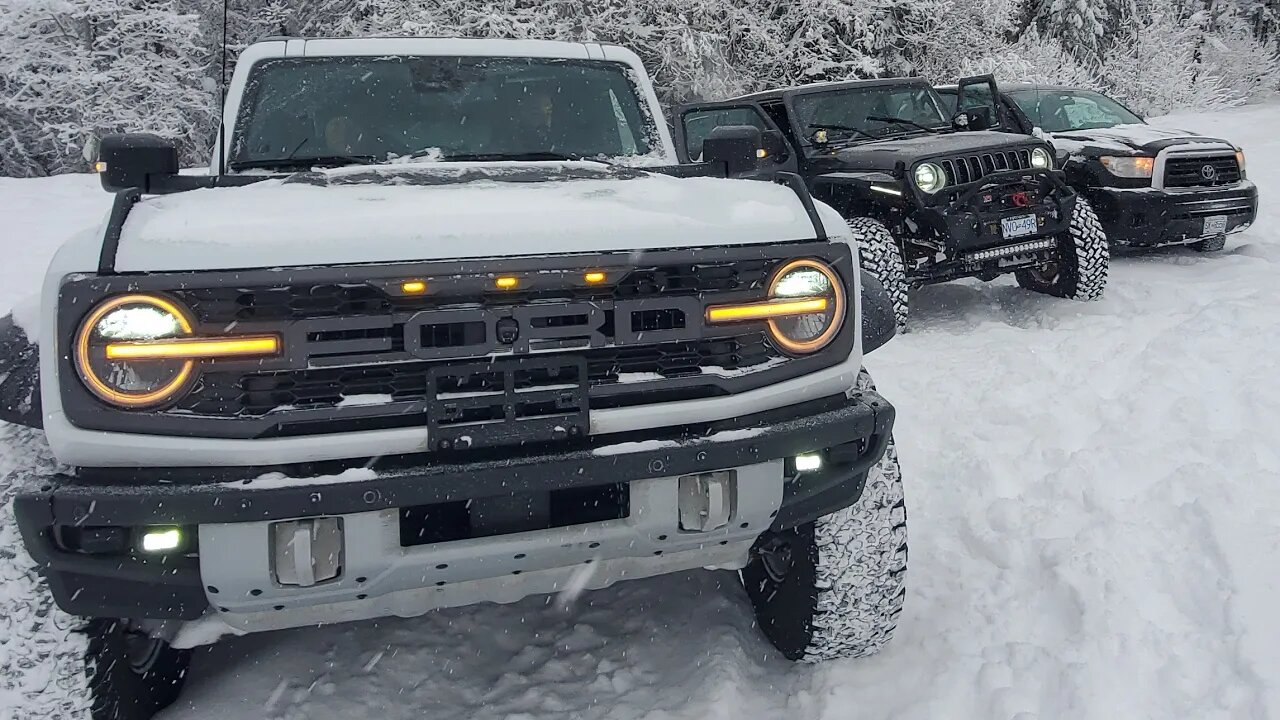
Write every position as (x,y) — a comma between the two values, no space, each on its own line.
(929,197)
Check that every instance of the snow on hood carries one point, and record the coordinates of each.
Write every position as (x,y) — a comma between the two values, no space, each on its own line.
(394,213)
(1128,139)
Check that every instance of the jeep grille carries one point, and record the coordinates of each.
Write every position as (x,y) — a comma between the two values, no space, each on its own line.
(971,168)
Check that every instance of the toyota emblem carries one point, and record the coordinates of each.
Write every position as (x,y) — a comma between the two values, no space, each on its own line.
(1208,172)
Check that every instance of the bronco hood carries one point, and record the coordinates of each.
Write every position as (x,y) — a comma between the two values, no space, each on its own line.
(1129,139)
(432,212)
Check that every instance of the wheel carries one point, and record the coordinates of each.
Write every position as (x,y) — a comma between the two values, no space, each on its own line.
(57,665)
(879,255)
(1080,272)
(1213,244)
(834,588)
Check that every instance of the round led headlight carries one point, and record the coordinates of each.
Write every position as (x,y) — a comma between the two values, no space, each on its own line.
(930,177)
(818,295)
(1041,159)
(129,382)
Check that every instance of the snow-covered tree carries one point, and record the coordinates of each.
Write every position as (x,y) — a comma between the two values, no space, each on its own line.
(71,70)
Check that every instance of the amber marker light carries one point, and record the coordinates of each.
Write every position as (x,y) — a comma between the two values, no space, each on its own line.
(594,278)
(195,348)
(413,287)
(506,282)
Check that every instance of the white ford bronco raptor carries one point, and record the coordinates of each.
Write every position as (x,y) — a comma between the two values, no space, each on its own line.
(441,325)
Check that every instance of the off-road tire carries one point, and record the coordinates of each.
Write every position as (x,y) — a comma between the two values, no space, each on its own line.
(1084,257)
(1213,244)
(843,591)
(55,665)
(879,255)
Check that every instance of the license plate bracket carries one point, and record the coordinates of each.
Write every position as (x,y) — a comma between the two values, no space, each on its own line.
(512,401)
(1019,226)
(1215,225)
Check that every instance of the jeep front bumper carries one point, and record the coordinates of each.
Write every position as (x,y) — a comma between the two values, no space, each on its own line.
(233,564)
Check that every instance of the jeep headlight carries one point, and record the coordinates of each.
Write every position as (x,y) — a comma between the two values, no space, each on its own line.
(137,351)
(804,311)
(1041,159)
(1128,166)
(930,177)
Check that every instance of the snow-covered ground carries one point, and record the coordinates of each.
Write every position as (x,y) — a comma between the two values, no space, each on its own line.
(1094,494)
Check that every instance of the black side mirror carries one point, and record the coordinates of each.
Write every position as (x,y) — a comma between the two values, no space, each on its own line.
(775,145)
(737,146)
(134,161)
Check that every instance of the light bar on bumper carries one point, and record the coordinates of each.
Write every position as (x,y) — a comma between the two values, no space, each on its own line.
(1007,250)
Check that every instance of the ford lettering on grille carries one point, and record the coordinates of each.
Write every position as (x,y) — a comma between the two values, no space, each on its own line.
(469,332)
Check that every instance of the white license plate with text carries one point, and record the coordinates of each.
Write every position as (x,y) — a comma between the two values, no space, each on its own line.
(1020,226)
(1215,225)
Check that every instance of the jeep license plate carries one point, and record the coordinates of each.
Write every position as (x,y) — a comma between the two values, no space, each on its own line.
(1020,226)
(1215,225)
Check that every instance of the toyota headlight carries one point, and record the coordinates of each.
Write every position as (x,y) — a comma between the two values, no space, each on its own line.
(1240,163)
(137,351)
(1129,166)
(930,177)
(804,311)
(1041,159)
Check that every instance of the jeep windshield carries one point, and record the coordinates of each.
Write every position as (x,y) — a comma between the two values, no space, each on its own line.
(334,111)
(1059,111)
(870,112)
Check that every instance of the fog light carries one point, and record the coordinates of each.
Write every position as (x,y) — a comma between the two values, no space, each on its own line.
(808,463)
(158,540)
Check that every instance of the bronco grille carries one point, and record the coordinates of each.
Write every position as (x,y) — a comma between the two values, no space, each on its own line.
(229,394)
(971,168)
(360,355)
(1201,170)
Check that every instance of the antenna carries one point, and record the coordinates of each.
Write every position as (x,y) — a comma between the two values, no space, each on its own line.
(222,97)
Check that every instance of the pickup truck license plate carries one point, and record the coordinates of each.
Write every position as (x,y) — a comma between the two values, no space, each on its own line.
(1215,225)
(1021,226)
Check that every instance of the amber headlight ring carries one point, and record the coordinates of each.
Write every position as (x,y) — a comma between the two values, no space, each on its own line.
(140,351)
(804,295)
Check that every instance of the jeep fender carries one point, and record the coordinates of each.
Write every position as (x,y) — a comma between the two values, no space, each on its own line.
(19,376)
(851,193)
(878,322)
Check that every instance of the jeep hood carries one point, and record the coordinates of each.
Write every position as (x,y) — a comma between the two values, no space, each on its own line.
(397,214)
(1132,139)
(885,154)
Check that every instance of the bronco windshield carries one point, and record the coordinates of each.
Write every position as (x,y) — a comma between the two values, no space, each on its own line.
(870,112)
(341,110)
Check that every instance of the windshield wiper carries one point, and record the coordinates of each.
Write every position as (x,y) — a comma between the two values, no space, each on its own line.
(844,128)
(304,162)
(521,156)
(901,121)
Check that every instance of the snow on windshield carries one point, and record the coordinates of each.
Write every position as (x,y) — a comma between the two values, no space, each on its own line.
(378,108)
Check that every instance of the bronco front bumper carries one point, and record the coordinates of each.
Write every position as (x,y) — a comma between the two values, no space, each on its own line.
(84,529)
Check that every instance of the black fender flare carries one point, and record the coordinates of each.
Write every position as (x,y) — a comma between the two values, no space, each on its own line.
(19,376)
(878,321)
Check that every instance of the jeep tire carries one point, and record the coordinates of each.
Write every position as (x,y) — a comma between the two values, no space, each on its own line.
(57,665)
(834,588)
(879,255)
(1084,256)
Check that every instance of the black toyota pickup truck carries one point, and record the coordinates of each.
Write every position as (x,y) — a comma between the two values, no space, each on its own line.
(1150,186)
